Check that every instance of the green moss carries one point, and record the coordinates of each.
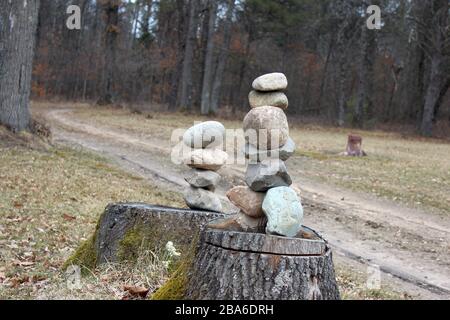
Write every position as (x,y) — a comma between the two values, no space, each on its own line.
(134,240)
(175,288)
(85,257)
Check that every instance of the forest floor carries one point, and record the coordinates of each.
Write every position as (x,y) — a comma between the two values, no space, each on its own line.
(390,209)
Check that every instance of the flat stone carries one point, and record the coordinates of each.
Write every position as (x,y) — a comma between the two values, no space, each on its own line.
(275,99)
(271,82)
(255,155)
(284,212)
(249,201)
(267,174)
(202,178)
(266,128)
(206,159)
(200,199)
(239,223)
(205,134)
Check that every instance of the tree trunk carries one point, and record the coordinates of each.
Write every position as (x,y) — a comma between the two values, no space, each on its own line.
(364,96)
(442,94)
(110,10)
(439,42)
(253,266)
(186,77)
(209,60)
(18,23)
(222,59)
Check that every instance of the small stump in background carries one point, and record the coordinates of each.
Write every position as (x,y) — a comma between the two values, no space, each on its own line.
(354,147)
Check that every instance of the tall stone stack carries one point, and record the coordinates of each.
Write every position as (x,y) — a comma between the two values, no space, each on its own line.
(267,200)
(205,158)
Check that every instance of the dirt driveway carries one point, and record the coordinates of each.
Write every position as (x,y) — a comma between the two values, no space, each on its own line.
(411,247)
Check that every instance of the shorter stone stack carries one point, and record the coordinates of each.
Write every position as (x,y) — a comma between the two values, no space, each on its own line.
(268,199)
(205,158)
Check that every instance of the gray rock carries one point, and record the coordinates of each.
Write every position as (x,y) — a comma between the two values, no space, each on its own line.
(266,128)
(255,155)
(205,134)
(202,199)
(206,159)
(202,178)
(275,99)
(271,82)
(284,212)
(267,174)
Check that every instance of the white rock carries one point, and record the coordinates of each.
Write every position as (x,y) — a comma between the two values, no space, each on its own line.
(206,159)
(275,99)
(271,82)
(206,134)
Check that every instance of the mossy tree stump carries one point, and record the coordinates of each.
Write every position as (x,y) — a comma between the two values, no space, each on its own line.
(246,266)
(125,229)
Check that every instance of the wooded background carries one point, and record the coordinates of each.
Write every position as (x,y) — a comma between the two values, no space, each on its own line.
(202,56)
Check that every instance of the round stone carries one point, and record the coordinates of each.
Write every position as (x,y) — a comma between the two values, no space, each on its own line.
(271,82)
(205,134)
(266,128)
(200,199)
(202,178)
(247,200)
(206,159)
(267,174)
(284,212)
(255,155)
(274,99)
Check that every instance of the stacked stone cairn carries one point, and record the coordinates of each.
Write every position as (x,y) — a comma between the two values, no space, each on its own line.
(204,156)
(267,203)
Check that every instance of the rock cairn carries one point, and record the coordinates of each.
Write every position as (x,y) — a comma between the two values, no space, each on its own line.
(267,203)
(205,158)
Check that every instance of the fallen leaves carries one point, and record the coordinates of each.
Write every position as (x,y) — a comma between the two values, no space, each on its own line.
(24,264)
(17,205)
(135,292)
(68,217)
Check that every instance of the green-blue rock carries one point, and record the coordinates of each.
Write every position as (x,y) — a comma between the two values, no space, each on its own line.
(284,212)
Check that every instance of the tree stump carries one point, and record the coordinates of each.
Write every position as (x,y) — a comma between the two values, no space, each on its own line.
(354,146)
(252,266)
(125,229)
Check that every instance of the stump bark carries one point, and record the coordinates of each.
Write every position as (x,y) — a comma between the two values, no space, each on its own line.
(245,266)
(354,146)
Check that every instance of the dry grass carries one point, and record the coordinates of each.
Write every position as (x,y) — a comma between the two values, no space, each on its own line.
(50,200)
(414,171)
(352,286)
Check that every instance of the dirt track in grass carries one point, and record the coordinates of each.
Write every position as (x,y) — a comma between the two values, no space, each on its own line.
(410,244)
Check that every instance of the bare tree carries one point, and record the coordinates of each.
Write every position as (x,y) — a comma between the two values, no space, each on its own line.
(110,12)
(209,59)
(222,58)
(185,100)
(438,41)
(18,22)
(364,99)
